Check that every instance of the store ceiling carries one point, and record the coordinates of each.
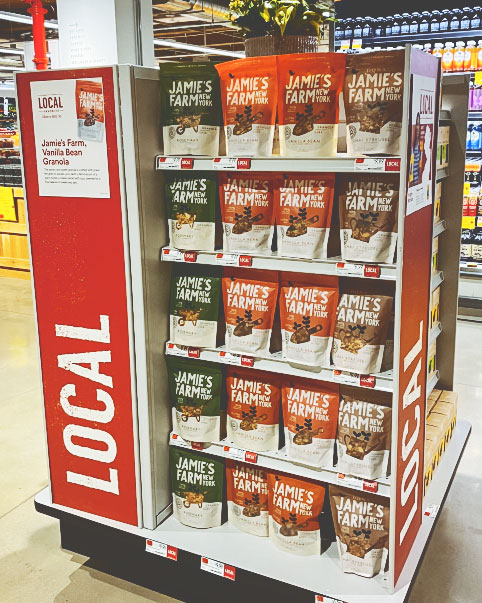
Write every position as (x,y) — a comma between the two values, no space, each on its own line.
(193,22)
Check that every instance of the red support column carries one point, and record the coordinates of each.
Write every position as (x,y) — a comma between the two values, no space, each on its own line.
(38,28)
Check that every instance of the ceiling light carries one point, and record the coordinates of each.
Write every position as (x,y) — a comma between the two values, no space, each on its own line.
(200,49)
(16,18)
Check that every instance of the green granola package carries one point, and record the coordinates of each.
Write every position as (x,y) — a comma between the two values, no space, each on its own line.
(190,108)
(196,394)
(197,483)
(194,305)
(191,210)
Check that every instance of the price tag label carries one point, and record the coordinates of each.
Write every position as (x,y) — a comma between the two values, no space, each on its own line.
(172,349)
(345,45)
(326,599)
(161,549)
(377,164)
(357,483)
(233,259)
(367,381)
(431,511)
(175,163)
(237,454)
(236,359)
(356,44)
(343,269)
(353,378)
(219,569)
(231,163)
(176,440)
(466,188)
(170,254)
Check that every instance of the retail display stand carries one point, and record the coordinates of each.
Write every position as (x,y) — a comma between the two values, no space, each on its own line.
(102,313)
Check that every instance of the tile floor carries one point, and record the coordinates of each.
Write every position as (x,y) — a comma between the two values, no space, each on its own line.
(34,568)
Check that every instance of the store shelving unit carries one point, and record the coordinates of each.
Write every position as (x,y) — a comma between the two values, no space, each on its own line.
(459,34)
(127,547)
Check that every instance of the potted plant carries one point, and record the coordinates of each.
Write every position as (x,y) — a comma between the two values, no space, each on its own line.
(281,26)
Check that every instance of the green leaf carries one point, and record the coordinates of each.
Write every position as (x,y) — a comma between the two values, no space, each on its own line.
(282,16)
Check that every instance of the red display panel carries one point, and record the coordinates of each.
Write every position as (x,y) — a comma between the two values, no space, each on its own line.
(78,264)
(415,299)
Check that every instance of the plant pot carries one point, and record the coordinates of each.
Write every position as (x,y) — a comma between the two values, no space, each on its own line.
(268,45)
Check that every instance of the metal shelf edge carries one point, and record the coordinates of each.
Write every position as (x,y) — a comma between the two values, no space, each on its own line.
(439,228)
(437,279)
(432,382)
(434,332)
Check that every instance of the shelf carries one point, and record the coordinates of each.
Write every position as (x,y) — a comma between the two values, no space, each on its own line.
(275,364)
(474,115)
(432,382)
(471,270)
(419,37)
(246,553)
(437,279)
(341,163)
(434,333)
(277,461)
(439,227)
(331,266)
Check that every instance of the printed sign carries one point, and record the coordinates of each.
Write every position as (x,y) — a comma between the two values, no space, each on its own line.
(161,549)
(422,141)
(81,296)
(218,568)
(415,285)
(69,137)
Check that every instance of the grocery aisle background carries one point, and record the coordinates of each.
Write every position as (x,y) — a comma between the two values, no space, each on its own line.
(34,568)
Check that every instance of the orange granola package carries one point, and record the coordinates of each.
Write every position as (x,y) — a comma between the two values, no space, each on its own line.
(294,508)
(249,305)
(248,93)
(310,415)
(254,399)
(247,211)
(304,204)
(308,310)
(89,100)
(309,87)
(247,494)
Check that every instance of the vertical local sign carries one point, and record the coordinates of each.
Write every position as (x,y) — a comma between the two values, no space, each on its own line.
(69,143)
(415,295)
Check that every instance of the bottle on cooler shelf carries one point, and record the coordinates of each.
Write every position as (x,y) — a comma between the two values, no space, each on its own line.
(459,57)
(427,48)
(379,27)
(424,22)
(470,59)
(358,27)
(479,55)
(448,57)
(438,50)
(446,16)
(396,24)
(348,29)
(454,23)
(339,30)
(475,20)
(388,26)
(405,24)
(466,18)
(367,29)
(414,24)
(435,21)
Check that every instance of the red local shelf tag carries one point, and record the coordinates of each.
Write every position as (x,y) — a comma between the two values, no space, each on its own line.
(187,163)
(377,164)
(363,270)
(357,482)
(233,259)
(161,549)
(231,163)
(218,568)
(169,254)
(235,359)
(176,440)
(239,454)
(367,381)
(172,349)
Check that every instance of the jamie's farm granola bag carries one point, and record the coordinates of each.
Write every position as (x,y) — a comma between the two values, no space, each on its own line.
(191,210)
(364,432)
(307,310)
(194,305)
(304,204)
(294,508)
(247,211)
(190,108)
(196,391)
(197,483)
(373,96)
(89,100)
(310,416)
(360,332)
(249,305)
(253,409)
(368,217)
(247,490)
(361,526)
(309,87)
(248,93)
